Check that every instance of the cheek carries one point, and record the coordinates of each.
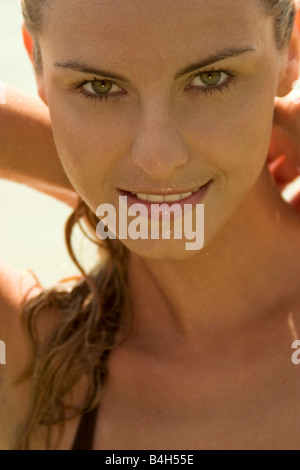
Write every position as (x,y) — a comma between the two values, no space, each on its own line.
(233,138)
(251,133)
(89,148)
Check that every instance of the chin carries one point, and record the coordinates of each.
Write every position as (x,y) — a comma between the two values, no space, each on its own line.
(170,250)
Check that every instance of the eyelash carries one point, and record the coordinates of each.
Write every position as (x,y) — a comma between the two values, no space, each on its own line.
(205,90)
(231,80)
(106,97)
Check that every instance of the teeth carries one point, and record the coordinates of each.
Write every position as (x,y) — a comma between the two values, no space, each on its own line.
(175,197)
(160,199)
(152,198)
(144,197)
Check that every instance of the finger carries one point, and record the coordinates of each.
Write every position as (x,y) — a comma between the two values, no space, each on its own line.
(283,143)
(295,201)
(283,171)
(287,112)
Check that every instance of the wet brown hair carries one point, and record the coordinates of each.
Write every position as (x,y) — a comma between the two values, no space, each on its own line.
(86,318)
(88,313)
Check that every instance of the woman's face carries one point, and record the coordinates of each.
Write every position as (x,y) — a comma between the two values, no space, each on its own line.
(166,121)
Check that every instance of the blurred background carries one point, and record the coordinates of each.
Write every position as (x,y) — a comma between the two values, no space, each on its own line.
(32,224)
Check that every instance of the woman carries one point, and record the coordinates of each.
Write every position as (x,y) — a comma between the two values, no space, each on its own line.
(134,110)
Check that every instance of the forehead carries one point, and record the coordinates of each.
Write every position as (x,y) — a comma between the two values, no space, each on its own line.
(120,30)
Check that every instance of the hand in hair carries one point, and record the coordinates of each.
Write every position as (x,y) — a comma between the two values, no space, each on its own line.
(284,151)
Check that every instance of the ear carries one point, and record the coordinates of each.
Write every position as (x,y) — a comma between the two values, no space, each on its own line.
(28,42)
(297,19)
(29,46)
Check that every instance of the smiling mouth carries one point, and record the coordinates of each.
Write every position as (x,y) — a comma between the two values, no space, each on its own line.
(160,198)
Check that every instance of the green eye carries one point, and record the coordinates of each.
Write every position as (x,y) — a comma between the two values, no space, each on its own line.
(211,78)
(101,87)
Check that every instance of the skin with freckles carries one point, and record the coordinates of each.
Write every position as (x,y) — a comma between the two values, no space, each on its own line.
(223,319)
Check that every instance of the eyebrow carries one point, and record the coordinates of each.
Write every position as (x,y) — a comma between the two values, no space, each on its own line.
(212,59)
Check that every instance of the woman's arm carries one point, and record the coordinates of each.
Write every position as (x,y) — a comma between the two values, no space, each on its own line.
(27,150)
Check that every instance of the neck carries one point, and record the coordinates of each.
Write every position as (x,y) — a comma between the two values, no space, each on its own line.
(239,277)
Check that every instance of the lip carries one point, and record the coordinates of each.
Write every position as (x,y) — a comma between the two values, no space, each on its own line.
(195,198)
(161,193)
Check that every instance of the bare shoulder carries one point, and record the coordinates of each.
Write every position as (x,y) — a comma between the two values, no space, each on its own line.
(14,286)
(14,354)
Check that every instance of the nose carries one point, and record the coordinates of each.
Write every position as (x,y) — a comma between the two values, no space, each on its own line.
(158,147)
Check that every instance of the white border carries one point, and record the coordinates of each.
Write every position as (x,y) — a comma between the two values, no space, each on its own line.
(2,92)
